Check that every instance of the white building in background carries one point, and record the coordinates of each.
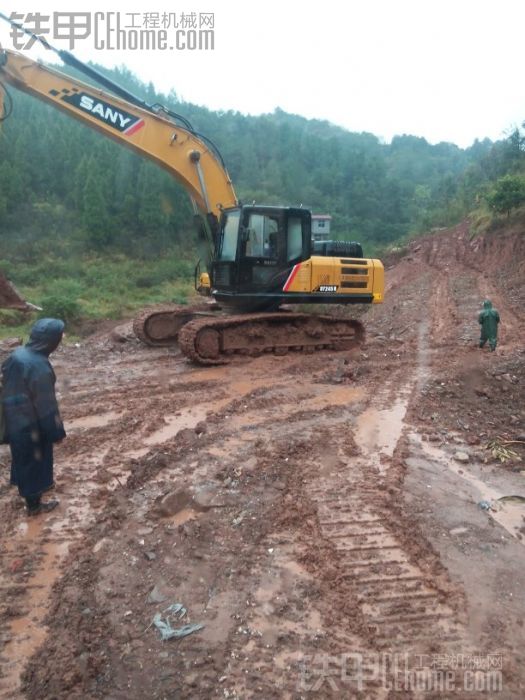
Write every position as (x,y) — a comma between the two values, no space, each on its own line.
(321,227)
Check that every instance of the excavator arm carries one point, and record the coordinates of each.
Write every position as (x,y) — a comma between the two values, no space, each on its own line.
(144,129)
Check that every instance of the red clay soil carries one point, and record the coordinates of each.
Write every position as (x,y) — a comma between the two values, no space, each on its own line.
(317,514)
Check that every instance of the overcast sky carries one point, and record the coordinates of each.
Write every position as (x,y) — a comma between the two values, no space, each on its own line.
(447,70)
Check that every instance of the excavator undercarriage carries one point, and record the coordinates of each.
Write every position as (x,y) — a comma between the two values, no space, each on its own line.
(208,337)
(211,341)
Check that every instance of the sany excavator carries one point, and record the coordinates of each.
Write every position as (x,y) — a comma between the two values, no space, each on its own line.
(261,256)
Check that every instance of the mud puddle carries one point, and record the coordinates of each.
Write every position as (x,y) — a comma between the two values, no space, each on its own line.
(190,417)
(51,536)
(187,418)
(510,515)
(99,420)
(341,396)
(377,430)
(26,632)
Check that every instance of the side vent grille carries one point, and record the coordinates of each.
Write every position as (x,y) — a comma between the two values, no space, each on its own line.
(222,277)
(354,285)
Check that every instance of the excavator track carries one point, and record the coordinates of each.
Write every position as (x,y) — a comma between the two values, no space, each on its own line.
(212,341)
(159,326)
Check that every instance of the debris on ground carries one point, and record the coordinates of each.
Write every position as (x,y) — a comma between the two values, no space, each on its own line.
(162,622)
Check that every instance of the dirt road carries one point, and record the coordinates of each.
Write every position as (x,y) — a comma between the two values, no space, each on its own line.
(318,515)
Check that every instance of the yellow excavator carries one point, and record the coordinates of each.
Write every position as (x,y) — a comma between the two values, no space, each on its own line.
(260,256)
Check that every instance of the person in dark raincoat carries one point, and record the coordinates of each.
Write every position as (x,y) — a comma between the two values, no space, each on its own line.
(488,320)
(32,418)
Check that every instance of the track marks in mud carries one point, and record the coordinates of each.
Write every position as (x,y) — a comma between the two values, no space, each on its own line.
(398,600)
(30,562)
(444,313)
(401,608)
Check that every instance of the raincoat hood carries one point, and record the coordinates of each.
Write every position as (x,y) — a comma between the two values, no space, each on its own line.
(46,335)
(487,304)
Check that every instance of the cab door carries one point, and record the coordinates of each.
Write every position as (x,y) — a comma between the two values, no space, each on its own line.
(261,252)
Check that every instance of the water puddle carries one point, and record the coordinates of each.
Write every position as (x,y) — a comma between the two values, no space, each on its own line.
(186,418)
(508,514)
(95,421)
(228,377)
(377,431)
(189,417)
(340,396)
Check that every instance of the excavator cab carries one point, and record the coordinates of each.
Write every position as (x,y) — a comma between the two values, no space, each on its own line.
(256,249)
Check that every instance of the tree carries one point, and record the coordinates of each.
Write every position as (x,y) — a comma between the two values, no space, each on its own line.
(508,194)
(95,215)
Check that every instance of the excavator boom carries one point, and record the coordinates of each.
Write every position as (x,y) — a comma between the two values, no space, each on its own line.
(189,158)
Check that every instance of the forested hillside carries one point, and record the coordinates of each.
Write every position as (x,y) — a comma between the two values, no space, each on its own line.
(375,192)
(70,200)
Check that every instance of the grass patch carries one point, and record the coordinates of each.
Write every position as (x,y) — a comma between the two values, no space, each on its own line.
(92,288)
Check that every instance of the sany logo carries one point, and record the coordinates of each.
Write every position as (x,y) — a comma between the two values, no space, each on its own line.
(122,121)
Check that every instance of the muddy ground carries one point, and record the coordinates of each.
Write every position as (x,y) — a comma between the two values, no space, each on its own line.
(318,515)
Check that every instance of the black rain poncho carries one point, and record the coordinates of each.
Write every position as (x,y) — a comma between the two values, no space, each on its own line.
(32,417)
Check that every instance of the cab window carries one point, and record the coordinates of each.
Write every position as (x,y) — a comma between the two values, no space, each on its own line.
(295,238)
(230,233)
(262,236)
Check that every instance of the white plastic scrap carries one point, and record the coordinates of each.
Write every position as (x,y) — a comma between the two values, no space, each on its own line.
(176,611)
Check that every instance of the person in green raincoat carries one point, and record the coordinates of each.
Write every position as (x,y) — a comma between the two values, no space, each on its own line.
(488,320)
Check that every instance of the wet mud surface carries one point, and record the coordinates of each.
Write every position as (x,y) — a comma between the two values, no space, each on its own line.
(317,514)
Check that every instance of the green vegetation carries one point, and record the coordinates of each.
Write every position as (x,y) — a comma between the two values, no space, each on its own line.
(79,289)
(508,194)
(90,230)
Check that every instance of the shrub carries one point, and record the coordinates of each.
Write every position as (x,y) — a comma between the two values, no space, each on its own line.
(146,281)
(12,318)
(508,193)
(61,306)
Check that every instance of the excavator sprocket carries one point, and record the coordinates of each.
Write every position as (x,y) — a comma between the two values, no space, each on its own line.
(212,341)
(159,326)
